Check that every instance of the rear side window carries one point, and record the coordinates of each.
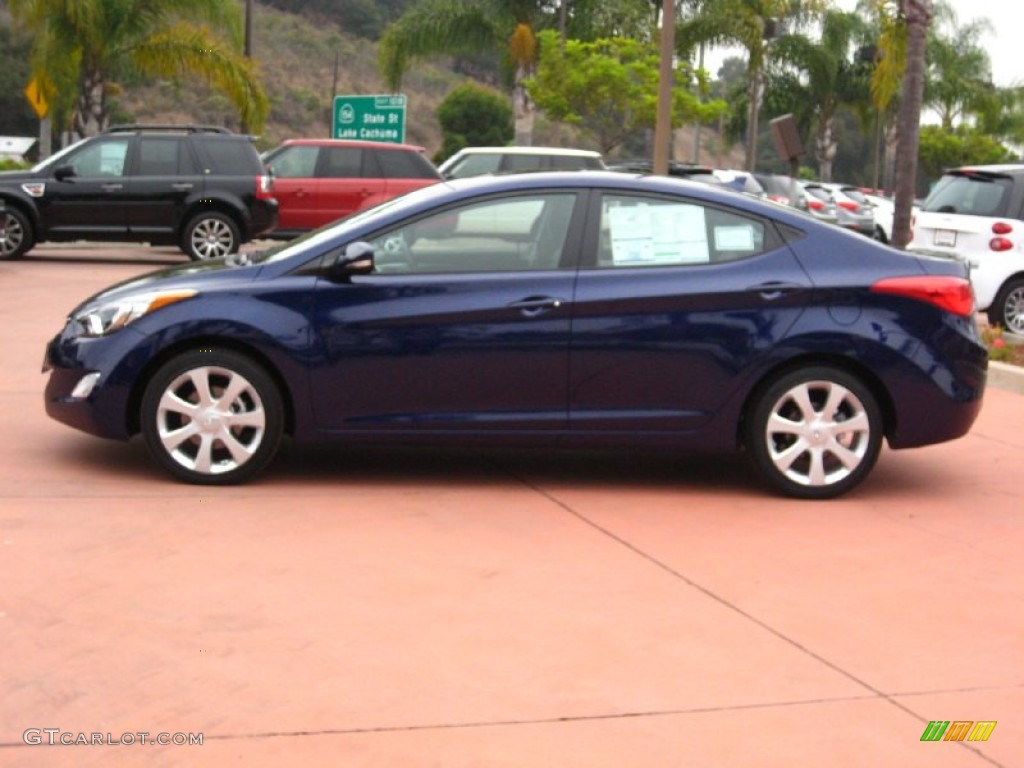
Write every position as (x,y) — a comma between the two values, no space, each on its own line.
(402,164)
(164,156)
(517,163)
(971,194)
(343,163)
(230,156)
(646,232)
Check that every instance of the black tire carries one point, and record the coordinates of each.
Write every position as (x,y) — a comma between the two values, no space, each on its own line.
(16,236)
(210,235)
(230,439)
(1007,311)
(804,451)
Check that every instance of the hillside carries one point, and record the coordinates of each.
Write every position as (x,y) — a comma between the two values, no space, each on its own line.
(297,58)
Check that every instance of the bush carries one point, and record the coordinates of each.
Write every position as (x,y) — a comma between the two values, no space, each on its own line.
(473,116)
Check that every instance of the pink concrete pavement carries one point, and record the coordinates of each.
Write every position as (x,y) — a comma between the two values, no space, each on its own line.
(426,608)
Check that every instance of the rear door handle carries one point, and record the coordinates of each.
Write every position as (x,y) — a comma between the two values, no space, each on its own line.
(111,187)
(775,289)
(532,306)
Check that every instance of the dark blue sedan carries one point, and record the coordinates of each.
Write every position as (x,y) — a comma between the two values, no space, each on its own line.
(563,310)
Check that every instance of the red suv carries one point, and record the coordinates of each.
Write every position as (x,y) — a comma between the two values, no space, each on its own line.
(317,181)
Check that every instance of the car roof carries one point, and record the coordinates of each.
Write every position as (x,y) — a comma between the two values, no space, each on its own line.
(350,143)
(529,151)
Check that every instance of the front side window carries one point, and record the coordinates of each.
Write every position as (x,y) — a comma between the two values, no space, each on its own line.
(342,163)
(519,233)
(649,232)
(101,158)
(296,162)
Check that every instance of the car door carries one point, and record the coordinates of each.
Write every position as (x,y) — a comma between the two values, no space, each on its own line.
(460,328)
(347,177)
(86,193)
(675,298)
(296,187)
(165,175)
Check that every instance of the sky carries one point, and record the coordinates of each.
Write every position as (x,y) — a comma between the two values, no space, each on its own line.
(1003,41)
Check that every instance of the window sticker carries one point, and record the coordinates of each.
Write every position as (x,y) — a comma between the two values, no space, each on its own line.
(653,235)
(734,238)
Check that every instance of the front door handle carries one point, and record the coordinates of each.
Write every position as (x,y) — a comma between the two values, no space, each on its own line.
(532,306)
(111,187)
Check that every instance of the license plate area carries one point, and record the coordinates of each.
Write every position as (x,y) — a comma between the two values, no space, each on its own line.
(945,237)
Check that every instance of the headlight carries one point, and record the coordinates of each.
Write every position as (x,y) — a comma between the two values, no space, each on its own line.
(104,319)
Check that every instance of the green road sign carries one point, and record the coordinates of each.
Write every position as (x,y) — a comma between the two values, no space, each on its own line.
(370,118)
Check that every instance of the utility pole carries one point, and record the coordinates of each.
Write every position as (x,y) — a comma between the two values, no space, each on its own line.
(247,49)
(663,124)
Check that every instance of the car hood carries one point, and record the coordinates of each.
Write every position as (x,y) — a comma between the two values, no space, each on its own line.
(14,177)
(217,273)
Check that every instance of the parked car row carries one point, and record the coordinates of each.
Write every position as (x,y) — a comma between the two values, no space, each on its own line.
(208,191)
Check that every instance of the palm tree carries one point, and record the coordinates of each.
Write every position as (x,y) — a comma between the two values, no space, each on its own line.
(917,15)
(467,27)
(86,45)
(829,78)
(750,24)
(959,74)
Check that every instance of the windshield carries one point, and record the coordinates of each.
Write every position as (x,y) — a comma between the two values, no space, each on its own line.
(56,156)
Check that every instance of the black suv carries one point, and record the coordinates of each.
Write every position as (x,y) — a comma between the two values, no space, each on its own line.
(201,188)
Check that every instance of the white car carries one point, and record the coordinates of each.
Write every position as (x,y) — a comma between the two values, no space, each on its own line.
(476,161)
(885,210)
(977,214)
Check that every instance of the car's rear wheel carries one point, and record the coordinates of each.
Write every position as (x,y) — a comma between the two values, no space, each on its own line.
(814,433)
(1007,310)
(212,417)
(210,236)
(15,234)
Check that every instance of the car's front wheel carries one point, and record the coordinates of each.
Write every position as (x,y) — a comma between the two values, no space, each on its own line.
(209,236)
(212,417)
(814,433)
(15,234)
(1007,310)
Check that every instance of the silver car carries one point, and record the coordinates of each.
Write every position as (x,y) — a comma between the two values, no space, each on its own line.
(853,210)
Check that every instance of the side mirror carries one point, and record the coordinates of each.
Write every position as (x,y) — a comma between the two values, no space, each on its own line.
(64,172)
(356,259)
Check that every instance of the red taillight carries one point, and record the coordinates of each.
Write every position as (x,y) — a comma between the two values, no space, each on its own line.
(1000,244)
(848,205)
(778,198)
(950,293)
(264,187)
(815,205)
(1001,228)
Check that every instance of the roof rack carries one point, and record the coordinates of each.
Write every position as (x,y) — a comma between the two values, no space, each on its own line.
(184,128)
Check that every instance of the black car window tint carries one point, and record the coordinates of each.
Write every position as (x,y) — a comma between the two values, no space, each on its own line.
(342,163)
(101,158)
(295,162)
(510,234)
(163,156)
(401,164)
(648,232)
(230,155)
(516,163)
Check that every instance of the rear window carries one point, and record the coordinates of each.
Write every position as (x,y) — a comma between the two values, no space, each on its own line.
(974,194)
(231,156)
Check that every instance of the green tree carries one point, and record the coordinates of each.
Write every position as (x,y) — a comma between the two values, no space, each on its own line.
(608,88)
(940,149)
(473,116)
(469,27)
(85,46)
(958,77)
(750,24)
